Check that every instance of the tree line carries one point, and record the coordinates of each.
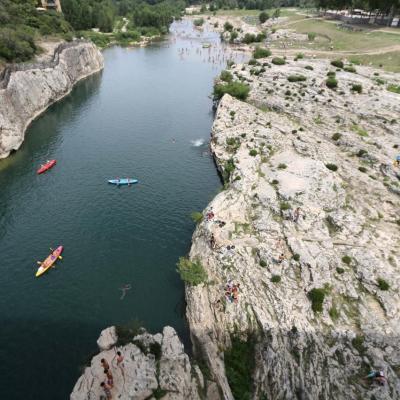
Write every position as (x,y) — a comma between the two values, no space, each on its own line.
(382,6)
(21,24)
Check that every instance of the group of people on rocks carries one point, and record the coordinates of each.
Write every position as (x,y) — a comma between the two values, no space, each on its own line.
(108,383)
(232,292)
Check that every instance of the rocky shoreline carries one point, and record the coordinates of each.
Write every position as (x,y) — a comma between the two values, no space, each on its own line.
(310,204)
(27,90)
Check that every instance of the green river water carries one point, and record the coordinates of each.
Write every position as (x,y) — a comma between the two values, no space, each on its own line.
(146,116)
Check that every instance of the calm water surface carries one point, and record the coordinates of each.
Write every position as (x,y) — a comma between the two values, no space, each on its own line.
(138,118)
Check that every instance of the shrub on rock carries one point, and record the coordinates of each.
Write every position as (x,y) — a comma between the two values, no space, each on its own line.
(191,272)
(275,278)
(337,63)
(235,89)
(226,76)
(332,167)
(296,78)
(356,88)
(260,52)
(278,61)
(331,82)
(383,285)
(317,296)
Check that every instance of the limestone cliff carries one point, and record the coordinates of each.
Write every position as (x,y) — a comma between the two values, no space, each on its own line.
(26,90)
(311,206)
(154,366)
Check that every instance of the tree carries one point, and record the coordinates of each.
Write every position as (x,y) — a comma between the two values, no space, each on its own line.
(263,17)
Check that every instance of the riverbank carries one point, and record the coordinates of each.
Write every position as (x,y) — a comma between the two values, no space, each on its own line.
(27,90)
(308,227)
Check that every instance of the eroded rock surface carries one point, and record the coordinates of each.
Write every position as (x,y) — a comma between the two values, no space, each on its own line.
(27,90)
(277,155)
(153,365)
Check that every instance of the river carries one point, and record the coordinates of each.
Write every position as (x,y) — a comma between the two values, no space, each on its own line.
(148,116)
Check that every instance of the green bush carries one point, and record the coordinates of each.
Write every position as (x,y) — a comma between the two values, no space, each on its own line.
(275,182)
(278,61)
(17,44)
(296,257)
(332,167)
(126,333)
(309,67)
(334,313)
(228,26)
(264,16)
(229,167)
(275,278)
(249,38)
(331,82)
(196,216)
(311,35)
(236,89)
(260,52)
(394,88)
(127,37)
(282,166)
(296,78)
(226,76)
(346,260)
(299,56)
(263,263)
(239,367)
(331,74)
(198,22)
(362,153)
(253,152)
(285,206)
(358,343)
(337,63)
(350,68)
(356,88)
(192,273)
(233,36)
(339,270)
(382,284)
(336,136)
(362,169)
(317,296)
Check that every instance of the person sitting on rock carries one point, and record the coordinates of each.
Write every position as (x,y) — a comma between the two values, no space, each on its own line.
(212,241)
(104,363)
(377,376)
(281,258)
(296,215)
(396,162)
(107,390)
(110,378)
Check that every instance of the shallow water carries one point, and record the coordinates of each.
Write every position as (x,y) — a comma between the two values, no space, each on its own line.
(146,116)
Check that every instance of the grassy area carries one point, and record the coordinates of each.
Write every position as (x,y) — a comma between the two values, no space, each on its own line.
(388,61)
(343,40)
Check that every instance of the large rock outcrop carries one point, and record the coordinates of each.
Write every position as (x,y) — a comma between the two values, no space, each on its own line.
(154,366)
(26,90)
(310,201)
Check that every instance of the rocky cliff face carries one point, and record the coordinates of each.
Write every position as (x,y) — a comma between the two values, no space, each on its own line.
(311,208)
(27,90)
(154,367)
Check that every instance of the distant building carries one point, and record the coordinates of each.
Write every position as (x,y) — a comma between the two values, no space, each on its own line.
(51,5)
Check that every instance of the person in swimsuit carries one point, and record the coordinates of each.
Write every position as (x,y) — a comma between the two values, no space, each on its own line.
(120,359)
(110,379)
(107,390)
(104,363)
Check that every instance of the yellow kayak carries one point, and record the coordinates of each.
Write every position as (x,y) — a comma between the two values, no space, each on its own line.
(49,261)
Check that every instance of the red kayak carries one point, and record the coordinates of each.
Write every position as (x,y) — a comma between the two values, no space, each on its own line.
(45,167)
